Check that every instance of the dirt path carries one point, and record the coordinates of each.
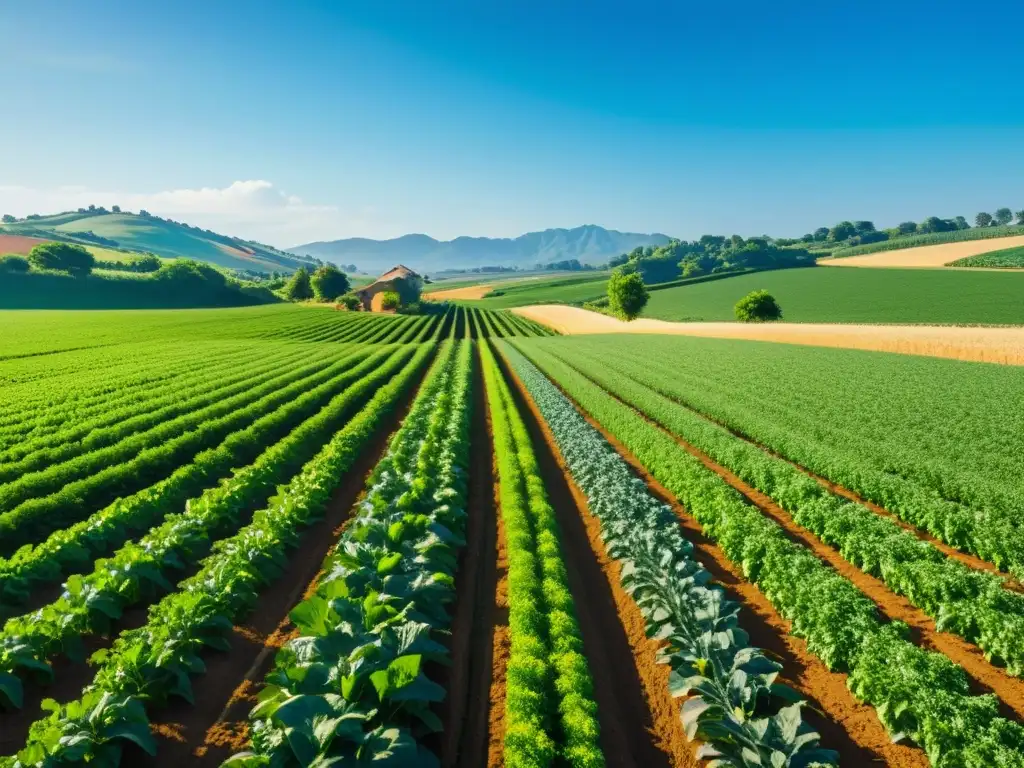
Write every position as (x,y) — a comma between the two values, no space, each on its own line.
(639,719)
(984,676)
(469,292)
(929,255)
(851,728)
(987,345)
(215,727)
(468,681)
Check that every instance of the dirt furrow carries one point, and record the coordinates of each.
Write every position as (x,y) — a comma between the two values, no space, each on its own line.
(468,680)
(985,677)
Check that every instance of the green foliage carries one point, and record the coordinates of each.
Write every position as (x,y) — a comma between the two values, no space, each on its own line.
(700,629)
(299,288)
(627,294)
(188,274)
(408,290)
(390,300)
(983,220)
(328,281)
(547,674)
(1007,258)
(933,232)
(13,264)
(1002,217)
(8,219)
(349,301)
(842,231)
(758,307)
(62,257)
(914,691)
(842,295)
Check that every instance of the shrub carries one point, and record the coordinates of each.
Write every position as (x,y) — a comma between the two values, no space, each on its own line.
(390,300)
(62,257)
(349,301)
(12,263)
(299,287)
(187,273)
(627,294)
(758,307)
(329,281)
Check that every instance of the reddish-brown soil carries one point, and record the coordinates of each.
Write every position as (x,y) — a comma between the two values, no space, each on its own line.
(19,244)
(984,676)
(851,728)
(214,728)
(468,681)
(639,719)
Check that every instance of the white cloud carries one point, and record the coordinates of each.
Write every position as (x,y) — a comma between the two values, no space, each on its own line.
(253,209)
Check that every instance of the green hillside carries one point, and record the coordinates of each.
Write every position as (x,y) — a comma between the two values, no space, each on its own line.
(848,295)
(170,239)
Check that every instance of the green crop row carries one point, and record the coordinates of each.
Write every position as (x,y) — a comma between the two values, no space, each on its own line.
(894,430)
(139,570)
(352,687)
(935,238)
(973,604)
(917,694)
(1008,258)
(731,687)
(84,437)
(149,665)
(71,549)
(550,712)
(40,516)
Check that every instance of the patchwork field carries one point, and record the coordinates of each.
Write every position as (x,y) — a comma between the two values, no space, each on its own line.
(294,536)
(927,255)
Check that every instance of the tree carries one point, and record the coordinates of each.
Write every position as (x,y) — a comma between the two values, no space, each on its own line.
(299,287)
(1003,216)
(758,307)
(14,264)
(935,224)
(627,294)
(1020,216)
(844,230)
(8,218)
(390,300)
(190,275)
(349,301)
(907,227)
(983,219)
(328,282)
(961,223)
(115,208)
(821,234)
(62,257)
(863,227)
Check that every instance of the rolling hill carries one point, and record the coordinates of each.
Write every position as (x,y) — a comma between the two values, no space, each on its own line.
(171,239)
(590,244)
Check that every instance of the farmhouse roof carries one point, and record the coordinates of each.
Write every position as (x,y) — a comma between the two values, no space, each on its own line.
(396,272)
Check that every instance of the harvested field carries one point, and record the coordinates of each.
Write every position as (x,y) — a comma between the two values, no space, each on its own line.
(19,244)
(926,256)
(986,345)
(469,292)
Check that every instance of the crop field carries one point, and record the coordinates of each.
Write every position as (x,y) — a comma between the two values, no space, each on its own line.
(828,295)
(1006,258)
(294,536)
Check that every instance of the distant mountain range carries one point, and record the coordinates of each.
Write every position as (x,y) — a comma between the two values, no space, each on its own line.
(590,244)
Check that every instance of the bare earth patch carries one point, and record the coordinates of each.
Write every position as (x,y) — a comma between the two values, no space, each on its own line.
(986,345)
(19,244)
(927,255)
(469,292)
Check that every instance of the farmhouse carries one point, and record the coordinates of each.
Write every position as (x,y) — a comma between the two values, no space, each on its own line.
(400,279)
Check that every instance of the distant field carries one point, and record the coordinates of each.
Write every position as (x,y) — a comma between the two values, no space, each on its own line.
(934,238)
(821,295)
(1007,258)
(18,244)
(927,256)
(564,290)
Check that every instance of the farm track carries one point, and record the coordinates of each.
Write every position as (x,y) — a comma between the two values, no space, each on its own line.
(639,719)
(468,680)
(984,677)
(216,726)
(846,725)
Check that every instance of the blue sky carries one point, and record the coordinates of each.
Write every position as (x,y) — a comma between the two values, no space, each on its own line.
(316,120)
